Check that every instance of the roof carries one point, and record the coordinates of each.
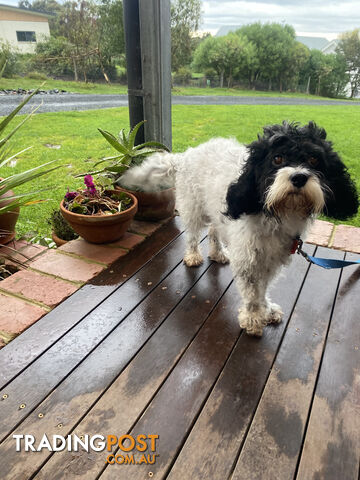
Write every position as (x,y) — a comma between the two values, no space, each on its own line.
(225,29)
(25,10)
(313,42)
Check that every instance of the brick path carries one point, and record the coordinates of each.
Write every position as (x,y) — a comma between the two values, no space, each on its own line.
(53,275)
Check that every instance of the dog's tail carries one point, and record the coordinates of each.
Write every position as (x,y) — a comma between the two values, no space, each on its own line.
(156,173)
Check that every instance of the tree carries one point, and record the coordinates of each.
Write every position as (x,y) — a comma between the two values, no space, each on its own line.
(227,56)
(276,51)
(185,20)
(111,29)
(349,47)
(78,24)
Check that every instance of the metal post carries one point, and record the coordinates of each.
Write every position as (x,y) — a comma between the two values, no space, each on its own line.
(133,62)
(148,55)
(155,38)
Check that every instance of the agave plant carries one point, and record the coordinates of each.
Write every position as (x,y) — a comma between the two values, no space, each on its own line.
(129,153)
(18,179)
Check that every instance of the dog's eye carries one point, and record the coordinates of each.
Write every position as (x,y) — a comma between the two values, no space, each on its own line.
(278,160)
(313,161)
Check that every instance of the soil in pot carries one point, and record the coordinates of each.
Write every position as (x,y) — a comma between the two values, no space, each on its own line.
(101,228)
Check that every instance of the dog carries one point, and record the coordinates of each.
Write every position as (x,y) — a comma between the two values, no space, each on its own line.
(256,198)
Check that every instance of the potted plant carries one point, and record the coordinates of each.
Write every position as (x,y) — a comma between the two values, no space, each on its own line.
(61,231)
(10,202)
(152,205)
(99,213)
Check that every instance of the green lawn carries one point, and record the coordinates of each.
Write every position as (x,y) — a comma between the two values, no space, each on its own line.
(74,87)
(81,144)
(115,88)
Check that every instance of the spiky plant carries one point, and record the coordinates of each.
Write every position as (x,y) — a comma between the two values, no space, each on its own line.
(129,154)
(13,181)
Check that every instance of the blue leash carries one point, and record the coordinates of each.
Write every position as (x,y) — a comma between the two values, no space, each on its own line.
(323,262)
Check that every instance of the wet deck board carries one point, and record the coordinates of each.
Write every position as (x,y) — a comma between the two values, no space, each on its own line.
(155,348)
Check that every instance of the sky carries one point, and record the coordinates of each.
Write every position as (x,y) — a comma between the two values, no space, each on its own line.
(308,17)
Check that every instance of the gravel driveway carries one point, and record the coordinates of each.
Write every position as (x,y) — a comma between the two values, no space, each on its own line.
(77,101)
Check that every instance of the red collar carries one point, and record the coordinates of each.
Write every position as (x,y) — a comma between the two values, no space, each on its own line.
(297,243)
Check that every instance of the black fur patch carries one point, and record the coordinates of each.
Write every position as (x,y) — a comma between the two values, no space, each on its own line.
(296,144)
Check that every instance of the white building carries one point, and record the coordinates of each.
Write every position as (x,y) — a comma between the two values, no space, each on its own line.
(22,28)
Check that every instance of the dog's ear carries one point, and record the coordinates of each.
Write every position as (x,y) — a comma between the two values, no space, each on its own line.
(242,197)
(342,200)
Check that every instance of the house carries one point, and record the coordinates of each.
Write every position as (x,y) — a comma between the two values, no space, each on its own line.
(318,43)
(22,27)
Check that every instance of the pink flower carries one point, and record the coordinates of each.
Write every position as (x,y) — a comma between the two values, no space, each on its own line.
(89,182)
(70,195)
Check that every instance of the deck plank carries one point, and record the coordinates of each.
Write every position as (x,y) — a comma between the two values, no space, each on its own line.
(274,440)
(121,405)
(30,344)
(222,425)
(34,383)
(171,413)
(332,444)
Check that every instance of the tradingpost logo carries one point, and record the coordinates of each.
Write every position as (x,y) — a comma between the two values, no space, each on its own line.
(130,450)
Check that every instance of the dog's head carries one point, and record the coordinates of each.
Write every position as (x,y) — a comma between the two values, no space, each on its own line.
(292,169)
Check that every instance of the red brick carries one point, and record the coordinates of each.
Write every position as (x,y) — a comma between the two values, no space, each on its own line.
(129,241)
(32,250)
(99,253)
(41,288)
(320,233)
(347,238)
(21,250)
(65,266)
(144,228)
(16,315)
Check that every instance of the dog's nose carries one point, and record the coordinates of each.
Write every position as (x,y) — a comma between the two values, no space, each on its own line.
(299,179)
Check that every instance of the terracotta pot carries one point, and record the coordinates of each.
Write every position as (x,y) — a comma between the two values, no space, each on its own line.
(59,241)
(153,205)
(101,228)
(7,220)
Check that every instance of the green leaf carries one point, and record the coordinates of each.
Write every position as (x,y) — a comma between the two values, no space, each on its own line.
(123,138)
(157,146)
(144,152)
(116,168)
(20,178)
(113,141)
(5,139)
(7,160)
(8,119)
(133,133)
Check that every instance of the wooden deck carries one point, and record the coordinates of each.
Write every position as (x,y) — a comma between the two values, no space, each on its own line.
(154,348)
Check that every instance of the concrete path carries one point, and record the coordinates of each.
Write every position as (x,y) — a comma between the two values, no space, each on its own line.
(76,101)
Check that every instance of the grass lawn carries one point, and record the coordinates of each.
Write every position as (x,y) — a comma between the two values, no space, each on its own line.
(74,87)
(81,144)
(115,88)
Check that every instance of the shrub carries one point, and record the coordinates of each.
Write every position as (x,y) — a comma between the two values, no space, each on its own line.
(36,76)
(8,60)
(60,226)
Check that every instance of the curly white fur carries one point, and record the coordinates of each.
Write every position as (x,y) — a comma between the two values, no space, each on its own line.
(256,245)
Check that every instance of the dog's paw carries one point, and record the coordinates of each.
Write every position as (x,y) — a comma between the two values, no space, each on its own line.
(193,259)
(219,257)
(276,314)
(252,322)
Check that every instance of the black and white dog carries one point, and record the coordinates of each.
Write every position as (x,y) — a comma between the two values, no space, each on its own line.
(256,199)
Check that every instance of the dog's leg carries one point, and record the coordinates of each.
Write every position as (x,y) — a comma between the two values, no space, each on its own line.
(257,310)
(254,312)
(192,257)
(216,249)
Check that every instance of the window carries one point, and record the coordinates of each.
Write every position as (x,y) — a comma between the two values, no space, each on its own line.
(26,36)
